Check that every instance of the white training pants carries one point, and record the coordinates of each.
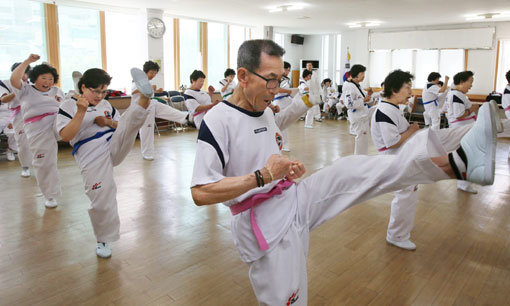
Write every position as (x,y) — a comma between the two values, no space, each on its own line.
(157,110)
(44,149)
(313,112)
(360,127)
(98,177)
(281,272)
(463,125)
(403,211)
(24,154)
(432,117)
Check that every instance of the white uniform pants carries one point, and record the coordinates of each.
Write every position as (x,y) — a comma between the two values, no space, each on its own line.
(44,149)
(360,127)
(313,112)
(403,211)
(462,125)
(432,117)
(280,275)
(11,141)
(157,110)
(98,177)
(24,154)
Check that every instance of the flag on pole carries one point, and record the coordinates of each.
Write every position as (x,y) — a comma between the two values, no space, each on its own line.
(347,65)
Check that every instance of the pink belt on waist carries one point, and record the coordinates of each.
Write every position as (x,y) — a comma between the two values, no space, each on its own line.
(15,111)
(255,200)
(464,119)
(507,109)
(39,117)
(382,149)
(196,114)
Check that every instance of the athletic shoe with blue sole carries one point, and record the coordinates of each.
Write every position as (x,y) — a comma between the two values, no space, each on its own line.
(479,145)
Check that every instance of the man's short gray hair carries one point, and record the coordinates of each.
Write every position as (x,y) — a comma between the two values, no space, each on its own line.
(250,51)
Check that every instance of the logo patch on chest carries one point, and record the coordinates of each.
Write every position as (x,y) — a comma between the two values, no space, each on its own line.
(59,99)
(260,130)
(279,141)
(107,114)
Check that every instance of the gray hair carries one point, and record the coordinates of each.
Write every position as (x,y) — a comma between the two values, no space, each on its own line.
(250,51)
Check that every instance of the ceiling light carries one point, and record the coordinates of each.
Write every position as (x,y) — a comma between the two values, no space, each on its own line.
(364,24)
(487,16)
(287,7)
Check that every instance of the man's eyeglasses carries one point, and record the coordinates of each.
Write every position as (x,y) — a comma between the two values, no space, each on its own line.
(270,83)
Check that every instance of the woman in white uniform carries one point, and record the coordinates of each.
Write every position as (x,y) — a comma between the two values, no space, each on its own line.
(40,103)
(101,139)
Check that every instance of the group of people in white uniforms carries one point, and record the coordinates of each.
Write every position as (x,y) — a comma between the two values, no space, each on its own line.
(198,102)
(433,98)
(329,95)
(239,163)
(6,126)
(156,110)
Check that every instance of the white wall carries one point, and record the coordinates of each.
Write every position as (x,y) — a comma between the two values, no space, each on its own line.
(357,42)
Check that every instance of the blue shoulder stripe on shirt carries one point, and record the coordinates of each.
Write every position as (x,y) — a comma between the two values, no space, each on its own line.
(430,85)
(457,100)
(5,86)
(382,117)
(506,91)
(61,112)
(205,135)
(186,97)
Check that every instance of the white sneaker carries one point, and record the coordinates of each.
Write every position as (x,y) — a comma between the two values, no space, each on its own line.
(103,249)
(25,172)
(285,149)
(10,156)
(468,188)
(406,245)
(479,144)
(495,108)
(50,203)
(148,157)
(308,127)
(142,82)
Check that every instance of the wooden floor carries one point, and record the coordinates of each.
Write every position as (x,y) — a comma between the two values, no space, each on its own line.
(172,252)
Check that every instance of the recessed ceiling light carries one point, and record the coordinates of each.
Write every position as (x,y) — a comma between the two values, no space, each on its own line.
(287,7)
(487,16)
(364,24)
(304,17)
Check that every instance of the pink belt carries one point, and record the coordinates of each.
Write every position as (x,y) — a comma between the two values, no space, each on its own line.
(464,119)
(15,111)
(255,200)
(507,109)
(382,149)
(39,117)
(196,114)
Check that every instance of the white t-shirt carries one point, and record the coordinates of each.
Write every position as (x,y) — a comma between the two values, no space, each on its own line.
(505,99)
(458,103)
(88,152)
(283,100)
(354,99)
(35,103)
(235,142)
(388,122)
(430,96)
(230,88)
(193,99)
(303,87)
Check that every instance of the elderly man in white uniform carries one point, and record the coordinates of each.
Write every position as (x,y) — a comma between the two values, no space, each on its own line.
(239,163)
(198,102)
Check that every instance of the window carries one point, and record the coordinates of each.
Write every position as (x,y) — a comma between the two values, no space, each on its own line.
(189,53)
(122,54)
(451,62)
(279,39)
(338,64)
(325,56)
(238,35)
(22,32)
(80,42)
(503,65)
(402,59)
(380,66)
(216,53)
(427,61)
(168,59)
